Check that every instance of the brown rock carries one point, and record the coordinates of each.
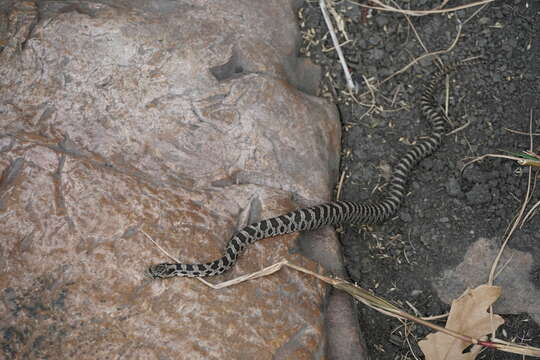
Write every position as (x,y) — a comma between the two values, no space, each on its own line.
(119,120)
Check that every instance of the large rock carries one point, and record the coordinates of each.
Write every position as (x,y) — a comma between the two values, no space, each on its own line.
(176,120)
(519,293)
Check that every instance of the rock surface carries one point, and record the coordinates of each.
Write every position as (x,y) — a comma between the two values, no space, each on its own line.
(513,275)
(175,121)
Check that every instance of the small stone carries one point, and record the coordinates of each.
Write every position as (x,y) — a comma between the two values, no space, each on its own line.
(371,69)
(374,39)
(381,20)
(479,194)
(438,165)
(496,77)
(483,20)
(362,44)
(475,175)
(453,188)
(376,54)
(405,216)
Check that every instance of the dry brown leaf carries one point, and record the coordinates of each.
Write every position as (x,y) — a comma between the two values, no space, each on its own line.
(468,316)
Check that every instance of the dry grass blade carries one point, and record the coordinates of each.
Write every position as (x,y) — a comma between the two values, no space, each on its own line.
(529,162)
(159,247)
(378,304)
(525,158)
(530,213)
(263,272)
(383,7)
(388,308)
(340,185)
(514,348)
(519,217)
(480,158)
(521,132)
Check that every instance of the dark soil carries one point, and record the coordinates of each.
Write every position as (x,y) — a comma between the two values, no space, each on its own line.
(446,211)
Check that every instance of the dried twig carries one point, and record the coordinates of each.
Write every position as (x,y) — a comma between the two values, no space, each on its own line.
(159,247)
(384,7)
(340,185)
(381,305)
(458,129)
(434,53)
(515,224)
(263,272)
(521,132)
(518,159)
(348,78)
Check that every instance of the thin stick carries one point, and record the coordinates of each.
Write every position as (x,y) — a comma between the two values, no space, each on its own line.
(518,159)
(379,304)
(517,220)
(521,132)
(535,206)
(330,26)
(459,128)
(384,7)
(436,317)
(530,213)
(159,247)
(414,29)
(325,49)
(372,90)
(340,185)
(434,53)
(263,272)
(443,4)
(474,13)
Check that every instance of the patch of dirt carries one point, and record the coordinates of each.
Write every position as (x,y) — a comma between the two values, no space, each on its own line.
(446,211)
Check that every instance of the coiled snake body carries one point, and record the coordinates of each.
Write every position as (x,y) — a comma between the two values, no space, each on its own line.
(332,213)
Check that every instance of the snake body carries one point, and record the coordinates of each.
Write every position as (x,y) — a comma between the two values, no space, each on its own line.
(332,213)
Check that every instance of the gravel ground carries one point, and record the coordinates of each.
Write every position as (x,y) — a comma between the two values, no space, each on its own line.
(446,210)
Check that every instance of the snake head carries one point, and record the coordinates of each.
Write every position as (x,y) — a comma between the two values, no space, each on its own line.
(161,271)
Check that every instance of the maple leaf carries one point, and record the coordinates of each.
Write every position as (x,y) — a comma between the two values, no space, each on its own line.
(468,316)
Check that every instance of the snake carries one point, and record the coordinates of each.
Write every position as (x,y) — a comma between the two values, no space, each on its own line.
(332,213)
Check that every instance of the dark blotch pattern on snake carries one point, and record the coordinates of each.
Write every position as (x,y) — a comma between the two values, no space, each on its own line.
(332,213)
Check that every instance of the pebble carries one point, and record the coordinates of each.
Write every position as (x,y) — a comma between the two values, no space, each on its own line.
(374,39)
(479,194)
(475,175)
(405,216)
(376,54)
(381,20)
(453,188)
(484,20)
